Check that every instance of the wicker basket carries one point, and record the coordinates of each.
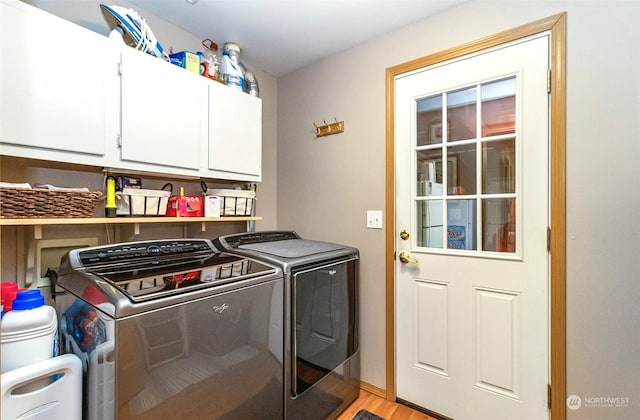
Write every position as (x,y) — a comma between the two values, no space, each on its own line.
(42,203)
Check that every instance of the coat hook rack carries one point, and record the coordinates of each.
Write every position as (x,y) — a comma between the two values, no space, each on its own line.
(329,128)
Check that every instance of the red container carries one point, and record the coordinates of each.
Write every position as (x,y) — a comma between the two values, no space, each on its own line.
(185,206)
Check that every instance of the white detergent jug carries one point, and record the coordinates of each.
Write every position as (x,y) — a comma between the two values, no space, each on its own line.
(49,389)
(29,332)
(231,68)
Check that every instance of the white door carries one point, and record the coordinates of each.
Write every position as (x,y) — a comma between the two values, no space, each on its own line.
(472,297)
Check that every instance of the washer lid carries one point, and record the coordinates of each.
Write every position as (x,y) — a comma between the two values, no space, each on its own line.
(146,271)
(292,248)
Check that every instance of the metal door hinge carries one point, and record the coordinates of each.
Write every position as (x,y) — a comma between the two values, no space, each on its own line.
(549,239)
(549,396)
(119,139)
(120,68)
(548,80)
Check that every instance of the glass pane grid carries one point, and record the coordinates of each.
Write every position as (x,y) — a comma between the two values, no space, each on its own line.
(468,203)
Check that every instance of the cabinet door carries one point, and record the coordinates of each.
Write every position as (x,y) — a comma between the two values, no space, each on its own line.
(58,87)
(164,112)
(235,133)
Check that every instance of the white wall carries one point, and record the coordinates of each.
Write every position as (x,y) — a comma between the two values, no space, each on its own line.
(326,185)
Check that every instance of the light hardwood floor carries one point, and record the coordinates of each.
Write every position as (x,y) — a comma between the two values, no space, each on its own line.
(381,407)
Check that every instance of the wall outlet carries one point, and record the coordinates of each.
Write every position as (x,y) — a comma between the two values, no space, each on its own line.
(48,253)
(374,219)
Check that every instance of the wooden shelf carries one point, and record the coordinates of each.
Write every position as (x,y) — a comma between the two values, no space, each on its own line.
(121,220)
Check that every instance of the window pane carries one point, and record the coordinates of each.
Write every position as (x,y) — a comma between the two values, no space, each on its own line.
(499,107)
(461,222)
(499,224)
(428,120)
(430,223)
(499,167)
(462,169)
(430,175)
(461,114)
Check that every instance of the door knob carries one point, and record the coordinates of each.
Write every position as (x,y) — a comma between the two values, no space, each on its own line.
(405,257)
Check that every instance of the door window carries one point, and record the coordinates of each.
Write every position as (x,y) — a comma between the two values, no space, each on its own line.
(466,159)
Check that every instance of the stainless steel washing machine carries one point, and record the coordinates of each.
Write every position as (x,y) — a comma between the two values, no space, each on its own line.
(173,329)
(321,351)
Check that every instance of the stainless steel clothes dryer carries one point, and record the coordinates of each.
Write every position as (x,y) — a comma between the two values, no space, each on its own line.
(322,358)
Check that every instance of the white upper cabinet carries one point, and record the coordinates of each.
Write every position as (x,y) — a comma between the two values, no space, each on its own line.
(71,95)
(58,87)
(235,134)
(163,114)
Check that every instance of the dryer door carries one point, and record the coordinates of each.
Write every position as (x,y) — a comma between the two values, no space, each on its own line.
(323,320)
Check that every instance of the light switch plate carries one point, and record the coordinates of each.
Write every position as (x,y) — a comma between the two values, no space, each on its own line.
(374,219)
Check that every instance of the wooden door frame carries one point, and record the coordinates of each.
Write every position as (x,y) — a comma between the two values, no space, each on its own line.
(556,25)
